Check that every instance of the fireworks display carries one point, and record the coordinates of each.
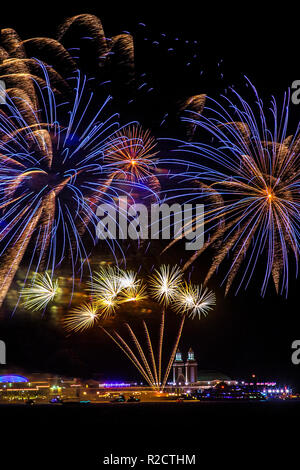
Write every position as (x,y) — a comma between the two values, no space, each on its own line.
(40,293)
(53,176)
(112,288)
(85,121)
(249,180)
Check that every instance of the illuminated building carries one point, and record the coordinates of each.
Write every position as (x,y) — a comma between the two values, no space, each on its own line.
(6,379)
(14,387)
(185,373)
(44,388)
(242,391)
(178,369)
(191,368)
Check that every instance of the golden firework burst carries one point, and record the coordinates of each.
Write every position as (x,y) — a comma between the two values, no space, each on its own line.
(132,151)
(81,318)
(193,300)
(40,293)
(165,282)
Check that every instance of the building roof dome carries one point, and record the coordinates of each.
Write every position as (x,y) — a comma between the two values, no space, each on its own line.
(210,375)
(12,379)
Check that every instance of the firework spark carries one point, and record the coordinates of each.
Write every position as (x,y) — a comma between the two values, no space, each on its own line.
(40,293)
(81,318)
(105,287)
(109,63)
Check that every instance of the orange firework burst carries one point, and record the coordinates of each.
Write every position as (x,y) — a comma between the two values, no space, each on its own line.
(132,151)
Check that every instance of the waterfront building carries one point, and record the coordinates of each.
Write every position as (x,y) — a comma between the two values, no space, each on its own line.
(191,368)
(179,375)
(185,373)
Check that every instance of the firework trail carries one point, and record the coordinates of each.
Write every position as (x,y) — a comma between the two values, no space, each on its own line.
(150,347)
(250,178)
(53,175)
(118,340)
(189,301)
(164,284)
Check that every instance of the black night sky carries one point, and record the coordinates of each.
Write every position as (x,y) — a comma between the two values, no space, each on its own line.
(246,333)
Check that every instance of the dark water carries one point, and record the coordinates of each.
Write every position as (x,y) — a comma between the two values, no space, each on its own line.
(222,432)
